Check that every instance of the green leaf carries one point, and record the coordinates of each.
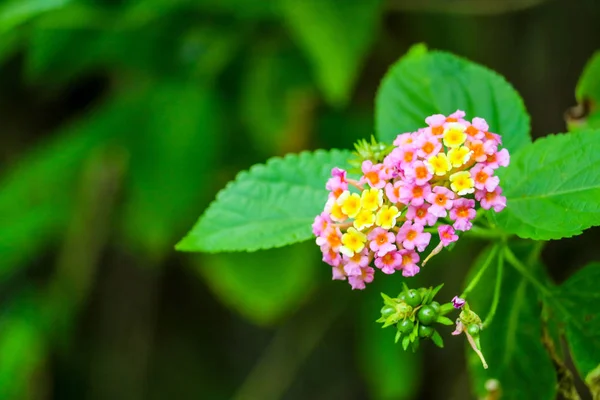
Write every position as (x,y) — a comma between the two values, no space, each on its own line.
(578,298)
(23,348)
(390,372)
(264,286)
(512,343)
(423,83)
(588,86)
(271,205)
(437,339)
(17,12)
(336,39)
(586,114)
(173,150)
(552,187)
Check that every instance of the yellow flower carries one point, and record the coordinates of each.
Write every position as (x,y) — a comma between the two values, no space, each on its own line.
(462,183)
(371,199)
(353,242)
(386,217)
(454,134)
(337,214)
(438,164)
(350,203)
(364,219)
(459,155)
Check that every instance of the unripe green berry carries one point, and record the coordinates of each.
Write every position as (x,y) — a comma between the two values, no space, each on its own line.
(413,298)
(473,330)
(427,315)
(402,296)
(387,311)
(425,331)
(406,326)
(436,306)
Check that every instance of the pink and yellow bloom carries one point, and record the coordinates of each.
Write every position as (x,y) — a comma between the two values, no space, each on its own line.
(443,170)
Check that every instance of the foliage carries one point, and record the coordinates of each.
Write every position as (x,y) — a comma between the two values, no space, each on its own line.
(169,100)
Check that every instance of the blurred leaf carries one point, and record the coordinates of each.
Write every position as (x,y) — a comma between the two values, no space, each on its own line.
(63,52)
(271,205)
(512,344)
(207,49)
(22,351)
(579,297)
(423,83)
(336,37)
(263,286)
(391,373)
(588,86)
(37,194)
(550,188)
(274,82)
(172,153)
(16,12)
(586,115)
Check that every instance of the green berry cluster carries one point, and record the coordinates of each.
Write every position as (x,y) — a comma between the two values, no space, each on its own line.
(413,313)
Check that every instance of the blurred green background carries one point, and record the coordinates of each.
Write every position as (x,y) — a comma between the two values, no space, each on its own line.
(121,119)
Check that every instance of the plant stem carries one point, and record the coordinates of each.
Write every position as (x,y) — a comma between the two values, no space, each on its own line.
(481,271)
(485,233)
(496,299)
(522,269)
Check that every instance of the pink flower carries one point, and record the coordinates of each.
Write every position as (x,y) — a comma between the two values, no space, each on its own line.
(374,174)
(463,211)
(484,178)
(436,123)
(403,139)
(392,191)
(389,263)
(321,223)
(417,172)
(330,238)
(427,145)
(414,194)
(406,155)
(460,328)
(421,215)
(332,258)
(353,265)
(499,159)
(447,234)
(493,137)
(412,235)
(491,199)
(337,273)
(410,258)
(358,281)
(457,115)
(337,183)
(480,124)
(458,302)
(382,241)
(440,199)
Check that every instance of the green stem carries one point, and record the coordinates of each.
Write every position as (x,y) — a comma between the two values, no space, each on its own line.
(481,271)
(485,233)
(496,299)
(522,269)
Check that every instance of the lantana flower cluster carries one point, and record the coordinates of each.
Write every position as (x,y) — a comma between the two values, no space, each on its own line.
(432,181)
